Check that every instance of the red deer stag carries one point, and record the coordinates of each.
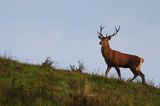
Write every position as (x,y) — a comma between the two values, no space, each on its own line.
(117,59)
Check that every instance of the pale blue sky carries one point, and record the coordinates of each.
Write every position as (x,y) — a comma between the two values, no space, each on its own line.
(65,30)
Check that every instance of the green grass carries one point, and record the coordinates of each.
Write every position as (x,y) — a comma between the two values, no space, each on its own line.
(33,85)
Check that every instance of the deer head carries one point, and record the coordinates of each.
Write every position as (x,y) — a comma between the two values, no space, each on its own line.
(106,38)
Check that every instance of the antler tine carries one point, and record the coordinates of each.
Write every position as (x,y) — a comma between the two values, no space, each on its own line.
(117,29)
(100,33)
(101,28)
(106,34)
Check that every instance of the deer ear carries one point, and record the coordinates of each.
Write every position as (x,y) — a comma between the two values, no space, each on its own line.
(99,37)
(109,37)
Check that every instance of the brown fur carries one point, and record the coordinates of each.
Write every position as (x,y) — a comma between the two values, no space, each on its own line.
(117,59)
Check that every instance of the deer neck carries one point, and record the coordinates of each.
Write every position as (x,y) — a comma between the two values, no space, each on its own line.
(106,50)
(106,47)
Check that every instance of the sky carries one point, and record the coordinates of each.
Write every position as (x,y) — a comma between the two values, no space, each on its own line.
(66,30)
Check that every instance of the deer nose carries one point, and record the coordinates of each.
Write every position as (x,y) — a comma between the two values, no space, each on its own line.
(100,43)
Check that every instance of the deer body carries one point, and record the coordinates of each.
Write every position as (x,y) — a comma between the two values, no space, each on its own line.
(117,59)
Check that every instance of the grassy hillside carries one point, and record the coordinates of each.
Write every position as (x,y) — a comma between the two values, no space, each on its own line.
(34,85)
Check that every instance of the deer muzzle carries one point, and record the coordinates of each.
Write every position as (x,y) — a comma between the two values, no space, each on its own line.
(100,43)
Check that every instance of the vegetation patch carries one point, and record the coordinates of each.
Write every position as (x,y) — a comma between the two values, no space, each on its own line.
(24,84)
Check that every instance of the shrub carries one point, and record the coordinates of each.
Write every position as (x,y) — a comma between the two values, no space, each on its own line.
(48,63)
(79,69)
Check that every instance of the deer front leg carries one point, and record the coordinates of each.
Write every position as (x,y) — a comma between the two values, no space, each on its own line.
(118,71)
(108,69)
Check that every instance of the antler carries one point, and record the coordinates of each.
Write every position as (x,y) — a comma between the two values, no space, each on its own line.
(100,35)
(116,31)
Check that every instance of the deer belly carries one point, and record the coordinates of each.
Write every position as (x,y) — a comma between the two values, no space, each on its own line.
(124,63)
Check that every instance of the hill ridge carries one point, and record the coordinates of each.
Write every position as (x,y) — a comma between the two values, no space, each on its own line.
(23,84)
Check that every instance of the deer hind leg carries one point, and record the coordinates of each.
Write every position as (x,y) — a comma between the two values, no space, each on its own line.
(134,72)
(138,69)
(133,77)
(118,71)
(108,69)
(142,76)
